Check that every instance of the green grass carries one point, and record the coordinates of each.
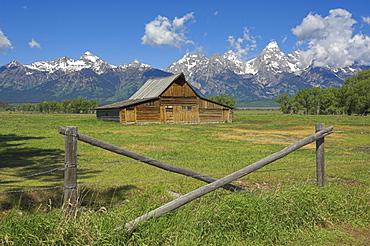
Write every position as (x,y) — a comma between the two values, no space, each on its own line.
(284,208)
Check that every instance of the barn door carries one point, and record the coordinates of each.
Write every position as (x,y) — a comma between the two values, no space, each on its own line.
(169,114)
(130,115)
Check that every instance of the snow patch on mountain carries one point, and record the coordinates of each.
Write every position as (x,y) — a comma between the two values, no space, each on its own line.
(68,65)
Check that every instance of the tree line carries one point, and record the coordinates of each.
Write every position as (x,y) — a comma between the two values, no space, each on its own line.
(74,106)
(352,98)
(224,99)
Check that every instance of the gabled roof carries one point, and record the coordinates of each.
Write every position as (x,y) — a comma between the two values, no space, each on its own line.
(155,87)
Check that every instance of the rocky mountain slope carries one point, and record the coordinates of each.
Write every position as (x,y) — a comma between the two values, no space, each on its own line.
(265,77)
(89,77)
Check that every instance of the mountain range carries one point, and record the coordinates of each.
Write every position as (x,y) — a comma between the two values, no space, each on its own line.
(271,73)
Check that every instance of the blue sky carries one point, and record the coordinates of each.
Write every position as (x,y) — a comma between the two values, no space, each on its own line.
(161,32)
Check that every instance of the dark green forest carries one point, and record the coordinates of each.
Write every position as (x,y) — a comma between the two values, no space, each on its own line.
(352,98)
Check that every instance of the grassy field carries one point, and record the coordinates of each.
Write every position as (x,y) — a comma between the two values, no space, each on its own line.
(284,206)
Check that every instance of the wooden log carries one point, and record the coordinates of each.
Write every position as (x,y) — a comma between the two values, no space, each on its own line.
(225,180)
(320,157)
(70,171)
(150,161)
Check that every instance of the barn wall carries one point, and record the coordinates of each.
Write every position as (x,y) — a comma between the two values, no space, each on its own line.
(174,101)
(213,112)
(147,112)
(177,104)
(108,115)
(210,115)
(148,115)
(179,89)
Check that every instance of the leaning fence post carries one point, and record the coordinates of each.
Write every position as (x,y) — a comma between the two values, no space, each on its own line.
(320,157)
(70,171)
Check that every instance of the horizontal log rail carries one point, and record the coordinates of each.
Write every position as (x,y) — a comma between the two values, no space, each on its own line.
(182,200)
(150,161)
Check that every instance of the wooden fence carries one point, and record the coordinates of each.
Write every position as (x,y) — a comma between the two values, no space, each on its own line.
(70,179)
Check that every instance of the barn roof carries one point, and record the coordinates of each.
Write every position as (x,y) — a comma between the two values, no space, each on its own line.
(125,103)
(155,87)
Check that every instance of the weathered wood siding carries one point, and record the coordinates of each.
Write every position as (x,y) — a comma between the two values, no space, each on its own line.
(170,100)
(213,112)
(177,104)
(183,101)
(148,112)
(148,115)
(108,115)
(210,115)
(179,89)
(176,110)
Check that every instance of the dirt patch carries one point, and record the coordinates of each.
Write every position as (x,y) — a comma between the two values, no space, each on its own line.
(361,235)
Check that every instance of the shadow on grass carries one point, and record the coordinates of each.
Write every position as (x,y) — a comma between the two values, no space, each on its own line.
(22,161)
(45,200)
(26,161)
(97,197)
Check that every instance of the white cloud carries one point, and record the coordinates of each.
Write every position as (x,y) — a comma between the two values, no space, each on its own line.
(331,40)
(161,31)
(215,13)
(4,42)
(241,46)
(366,19)
(200,50)
(34,44)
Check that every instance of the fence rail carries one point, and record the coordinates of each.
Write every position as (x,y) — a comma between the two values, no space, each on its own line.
(168,178)
(70,186)
(71,137)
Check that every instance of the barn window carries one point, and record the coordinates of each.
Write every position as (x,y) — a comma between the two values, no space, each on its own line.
(151,103)
(186,108)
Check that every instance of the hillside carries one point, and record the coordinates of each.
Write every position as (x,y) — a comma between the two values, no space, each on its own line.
(268,75)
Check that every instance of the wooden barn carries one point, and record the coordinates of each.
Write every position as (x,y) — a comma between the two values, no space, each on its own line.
(166,100)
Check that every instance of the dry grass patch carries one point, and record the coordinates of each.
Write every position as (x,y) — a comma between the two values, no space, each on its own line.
(360,235)
(284,137)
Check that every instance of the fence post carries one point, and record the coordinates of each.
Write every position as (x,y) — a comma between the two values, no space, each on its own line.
(320,157)
(70,171)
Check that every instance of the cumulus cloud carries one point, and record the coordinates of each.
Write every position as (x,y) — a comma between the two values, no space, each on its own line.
(161,31)
(34,44)
(331,40)
(4,42)
(241,46)
(366,19)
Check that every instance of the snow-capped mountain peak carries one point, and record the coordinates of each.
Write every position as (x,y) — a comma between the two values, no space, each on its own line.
(273,59)
(89,57)
(68,65)
(13,64)
(272,45)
